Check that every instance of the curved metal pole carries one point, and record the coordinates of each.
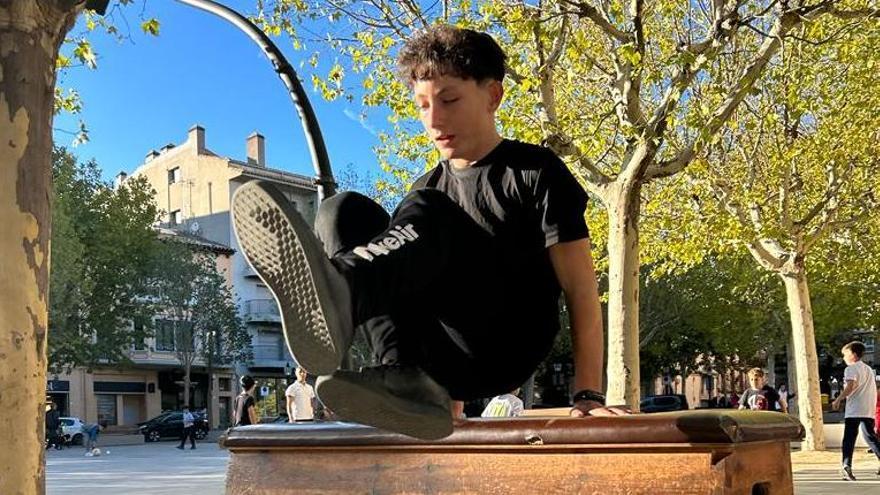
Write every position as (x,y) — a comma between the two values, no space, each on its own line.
(314,138)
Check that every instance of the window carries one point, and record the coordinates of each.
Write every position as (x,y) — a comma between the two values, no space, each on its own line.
(174,175)
(164,335)
(185,337)
(175,217)
(139,335)
(106,409)
(224,384)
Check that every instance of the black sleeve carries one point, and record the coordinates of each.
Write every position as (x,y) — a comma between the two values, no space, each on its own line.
(561,202)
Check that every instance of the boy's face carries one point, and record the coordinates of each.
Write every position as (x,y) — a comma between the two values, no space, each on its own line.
(301,374)
(848,356)
(459,114)
(756,381)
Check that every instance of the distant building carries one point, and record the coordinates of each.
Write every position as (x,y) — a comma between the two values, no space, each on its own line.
(120,397)
(194,187)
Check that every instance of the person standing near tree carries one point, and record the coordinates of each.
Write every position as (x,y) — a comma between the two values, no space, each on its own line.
(300,398)
(860,393)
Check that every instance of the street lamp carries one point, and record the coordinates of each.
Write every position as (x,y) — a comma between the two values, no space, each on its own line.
(315,140)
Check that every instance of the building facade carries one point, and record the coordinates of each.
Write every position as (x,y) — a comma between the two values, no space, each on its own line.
(194,188)
(119,397)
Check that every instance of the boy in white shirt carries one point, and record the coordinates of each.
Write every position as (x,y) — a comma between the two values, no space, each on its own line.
(860,393)
(299,398)
(504,406)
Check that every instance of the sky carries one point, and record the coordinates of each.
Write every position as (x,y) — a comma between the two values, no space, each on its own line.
(148,91)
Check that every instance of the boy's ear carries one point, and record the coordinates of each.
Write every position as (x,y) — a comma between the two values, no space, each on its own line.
(496,92)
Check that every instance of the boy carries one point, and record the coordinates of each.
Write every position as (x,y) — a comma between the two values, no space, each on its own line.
(761,397)
(300,397)
(504,406)
(457,291)
(860,392)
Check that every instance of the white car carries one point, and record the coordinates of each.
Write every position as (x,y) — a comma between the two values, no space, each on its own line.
(71,428)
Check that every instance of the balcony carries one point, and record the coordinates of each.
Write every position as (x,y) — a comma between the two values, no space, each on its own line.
(261,311)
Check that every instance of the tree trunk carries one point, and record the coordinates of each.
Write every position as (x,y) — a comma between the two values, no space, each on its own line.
(623,296)
(187,382)
(528,392)
(208,414)
(792,377)
(806,360)
(771,368)
(30,35)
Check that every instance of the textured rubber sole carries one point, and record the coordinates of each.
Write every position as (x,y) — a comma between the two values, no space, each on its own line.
(281,248)
(349,399)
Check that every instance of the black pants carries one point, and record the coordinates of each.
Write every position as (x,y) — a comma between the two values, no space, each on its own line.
(188,432)
(430,290)
(851,429)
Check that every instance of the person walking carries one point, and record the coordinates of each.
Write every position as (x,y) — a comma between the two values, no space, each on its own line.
(53,425)
(189,429)
(245,411)
(860,393)
(300,398)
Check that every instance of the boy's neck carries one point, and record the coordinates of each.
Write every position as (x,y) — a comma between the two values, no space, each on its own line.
(480,153)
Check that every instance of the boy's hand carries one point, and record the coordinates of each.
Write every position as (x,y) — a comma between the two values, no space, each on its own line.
(836,404)
(584,408)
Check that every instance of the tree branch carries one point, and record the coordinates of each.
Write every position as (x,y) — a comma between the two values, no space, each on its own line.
(585,10)
(736,95)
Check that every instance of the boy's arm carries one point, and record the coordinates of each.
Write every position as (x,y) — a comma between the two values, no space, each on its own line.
(573,265)
(291,414)
(848,388)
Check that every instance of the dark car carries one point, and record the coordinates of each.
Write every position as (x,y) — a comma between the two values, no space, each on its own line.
(663,403)
(170,424)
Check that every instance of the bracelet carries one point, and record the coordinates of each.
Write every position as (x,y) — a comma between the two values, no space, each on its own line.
(591,395)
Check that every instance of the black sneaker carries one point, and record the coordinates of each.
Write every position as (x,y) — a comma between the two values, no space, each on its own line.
(313,296)
(846,473)
(179,447)
(403,399)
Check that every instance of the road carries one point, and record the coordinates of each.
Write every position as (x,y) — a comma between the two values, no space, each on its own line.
(154,469)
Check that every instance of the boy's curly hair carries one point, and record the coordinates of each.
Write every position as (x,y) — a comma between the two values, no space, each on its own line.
(445,50)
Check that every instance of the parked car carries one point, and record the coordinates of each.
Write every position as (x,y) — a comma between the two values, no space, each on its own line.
(170,424)
(71,430)
(663,403)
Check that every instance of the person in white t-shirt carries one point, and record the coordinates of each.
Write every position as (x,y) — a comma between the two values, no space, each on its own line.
(860,393)
(504,406)
(300,398)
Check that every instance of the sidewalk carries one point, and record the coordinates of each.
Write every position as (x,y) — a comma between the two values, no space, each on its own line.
(818,473)
(116,439)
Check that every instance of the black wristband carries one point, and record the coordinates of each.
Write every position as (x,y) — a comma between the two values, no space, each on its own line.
(591,395)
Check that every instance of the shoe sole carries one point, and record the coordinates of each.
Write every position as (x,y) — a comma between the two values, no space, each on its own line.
(281,248)
(352,401)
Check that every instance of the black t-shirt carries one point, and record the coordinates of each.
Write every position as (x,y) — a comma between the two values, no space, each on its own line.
(242,403)
(527,200)
(765,399)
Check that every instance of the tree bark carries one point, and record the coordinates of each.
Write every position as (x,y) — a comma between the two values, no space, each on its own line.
(771,367)
(623,295)
(806,360)
(792,376)
(30,36)
(187,382)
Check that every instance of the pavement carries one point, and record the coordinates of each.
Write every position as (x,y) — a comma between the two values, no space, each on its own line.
(142,469)
(161,469)
(818,473)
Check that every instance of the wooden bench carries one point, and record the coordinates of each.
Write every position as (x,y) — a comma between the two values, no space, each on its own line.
(690,452)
